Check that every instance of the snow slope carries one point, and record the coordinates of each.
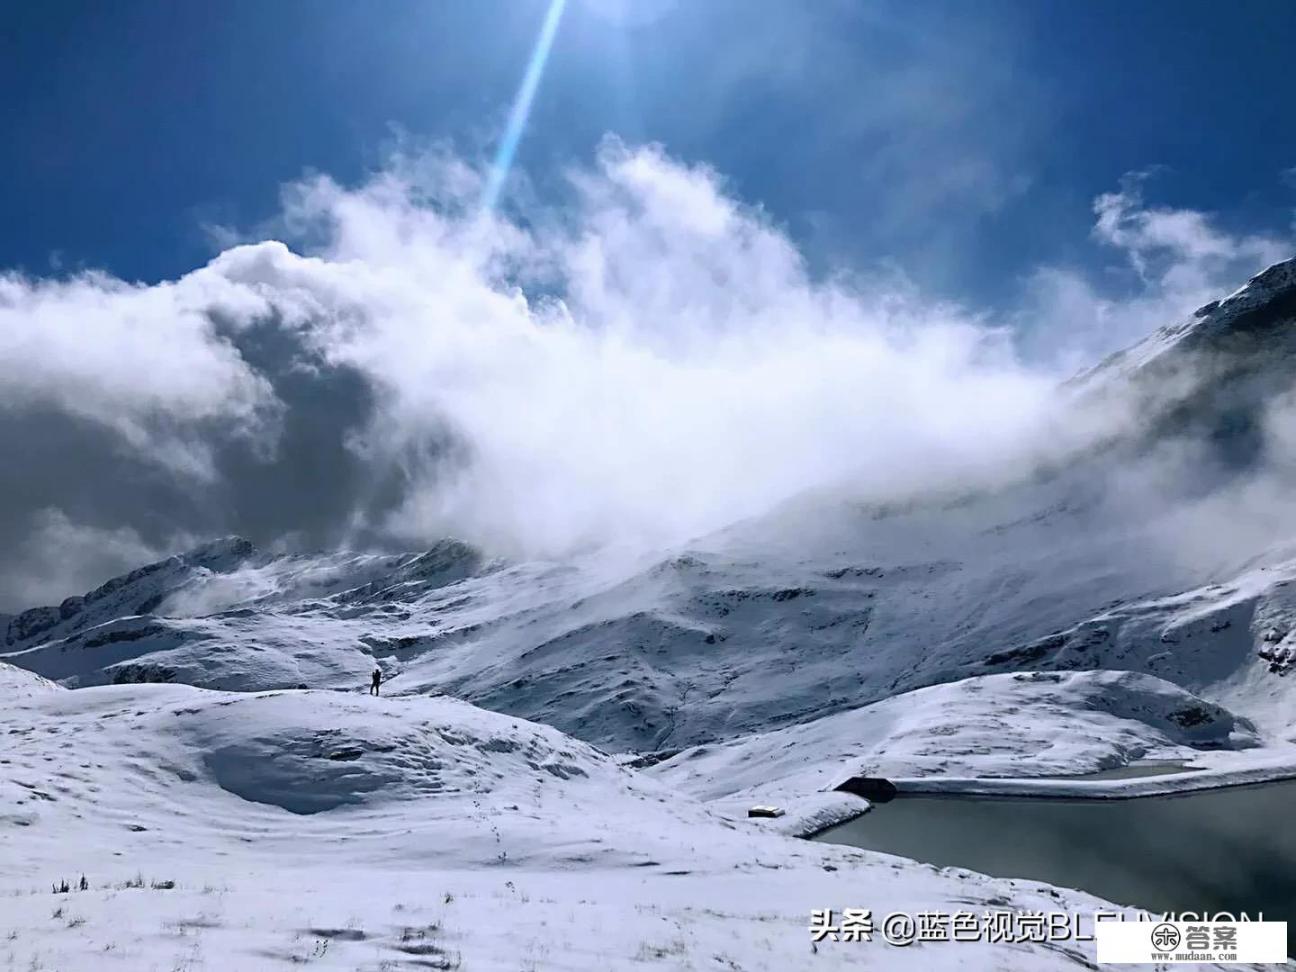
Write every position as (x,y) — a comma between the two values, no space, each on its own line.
(254,831)
(1078,722)
(728,638)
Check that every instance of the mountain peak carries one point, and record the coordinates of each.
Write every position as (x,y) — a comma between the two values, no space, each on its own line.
(1261,306)
(1223,363)
(220,553)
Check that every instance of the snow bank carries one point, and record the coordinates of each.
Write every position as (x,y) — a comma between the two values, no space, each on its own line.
(309,754)
(250,832)
(1030,724)
(18,683)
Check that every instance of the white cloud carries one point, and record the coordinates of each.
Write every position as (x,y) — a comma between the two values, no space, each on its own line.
(60,557)
(1180,258)
(145,362)
(1178,250)
(684,372)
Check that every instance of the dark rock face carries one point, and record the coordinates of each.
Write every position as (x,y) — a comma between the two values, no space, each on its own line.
(872,788)
(1193,715)
(135,674)
(31,622)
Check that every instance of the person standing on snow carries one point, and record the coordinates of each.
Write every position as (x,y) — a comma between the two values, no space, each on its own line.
(376,681)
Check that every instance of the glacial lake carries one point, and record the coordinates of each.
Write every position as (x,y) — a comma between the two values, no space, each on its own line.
(1231,849)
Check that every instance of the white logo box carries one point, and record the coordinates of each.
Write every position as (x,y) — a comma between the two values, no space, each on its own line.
(1165,942)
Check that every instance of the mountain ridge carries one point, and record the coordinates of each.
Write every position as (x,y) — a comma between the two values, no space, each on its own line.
(779,621)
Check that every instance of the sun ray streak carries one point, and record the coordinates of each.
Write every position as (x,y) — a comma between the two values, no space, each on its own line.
(521,109)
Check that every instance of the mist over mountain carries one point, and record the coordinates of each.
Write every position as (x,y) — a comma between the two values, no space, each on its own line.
(644,366)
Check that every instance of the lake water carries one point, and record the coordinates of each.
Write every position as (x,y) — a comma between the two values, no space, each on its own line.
(1231,849)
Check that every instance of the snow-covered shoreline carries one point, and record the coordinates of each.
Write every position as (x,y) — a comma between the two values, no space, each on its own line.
(1281,769)
(811,816)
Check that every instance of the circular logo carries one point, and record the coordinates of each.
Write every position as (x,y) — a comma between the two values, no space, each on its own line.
(1165,937)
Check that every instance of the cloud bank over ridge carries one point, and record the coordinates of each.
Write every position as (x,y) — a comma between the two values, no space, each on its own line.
(647,362)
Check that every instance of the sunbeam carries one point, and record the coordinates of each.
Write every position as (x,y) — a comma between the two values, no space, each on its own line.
(521,109)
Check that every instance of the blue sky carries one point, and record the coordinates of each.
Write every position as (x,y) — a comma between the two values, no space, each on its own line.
(966,142)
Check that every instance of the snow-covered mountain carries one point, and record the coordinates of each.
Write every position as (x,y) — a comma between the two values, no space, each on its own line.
(1134,598)
(1212,375)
